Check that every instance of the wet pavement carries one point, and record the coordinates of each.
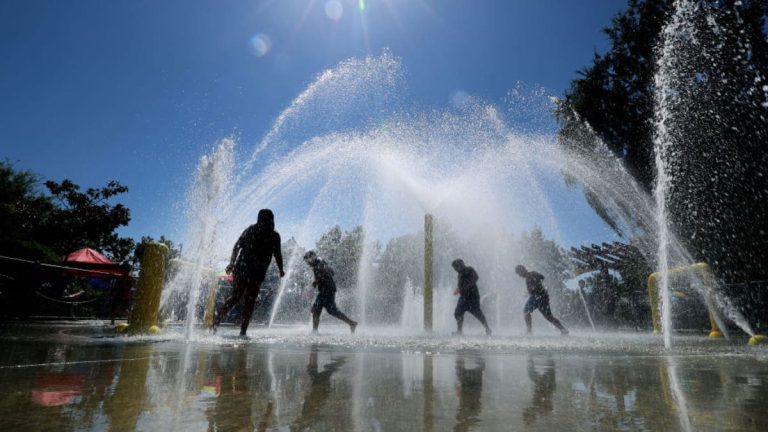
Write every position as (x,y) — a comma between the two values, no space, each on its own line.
(77,377)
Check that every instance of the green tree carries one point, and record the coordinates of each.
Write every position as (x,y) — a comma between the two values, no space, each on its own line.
(615,94)
(43,226)
(342,250)
(718,123)
(717,119)
(173,250)
(401,260)
(24,212)
(89,219)
(138,251)
(40,226)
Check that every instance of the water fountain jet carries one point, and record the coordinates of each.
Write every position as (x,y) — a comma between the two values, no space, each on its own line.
(383,175)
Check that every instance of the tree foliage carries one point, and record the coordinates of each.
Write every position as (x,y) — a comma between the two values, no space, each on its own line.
(615,94)
(24,214)
(46,226)
(399,266)
(89,219)
(343,250)
(138,252)
(719,180)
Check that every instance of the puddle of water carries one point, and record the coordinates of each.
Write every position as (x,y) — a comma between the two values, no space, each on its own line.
(56,378)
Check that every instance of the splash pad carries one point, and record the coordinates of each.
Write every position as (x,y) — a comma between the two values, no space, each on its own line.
(481,178)
(285,377)
(348,153)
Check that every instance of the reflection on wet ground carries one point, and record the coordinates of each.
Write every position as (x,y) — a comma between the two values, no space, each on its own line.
(53,379)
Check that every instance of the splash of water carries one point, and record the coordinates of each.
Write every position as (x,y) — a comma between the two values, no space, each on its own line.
(383,169)
(333,99)
(678,394)
(665,106)
(207,204)
(364,276)
(673,89)
(586,308)
(412,318)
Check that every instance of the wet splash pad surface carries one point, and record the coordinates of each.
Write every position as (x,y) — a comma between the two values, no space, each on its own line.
(78,377)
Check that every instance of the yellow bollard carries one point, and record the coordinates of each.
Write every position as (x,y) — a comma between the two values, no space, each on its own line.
(146,308)
(708,279)
(210,305)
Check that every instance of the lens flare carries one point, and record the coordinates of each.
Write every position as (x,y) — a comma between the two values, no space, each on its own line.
(334,10)
(261,44)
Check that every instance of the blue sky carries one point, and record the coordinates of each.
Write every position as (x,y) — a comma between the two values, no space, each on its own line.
(137,91)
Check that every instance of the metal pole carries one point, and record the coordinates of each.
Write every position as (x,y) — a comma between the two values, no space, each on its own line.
(428,267)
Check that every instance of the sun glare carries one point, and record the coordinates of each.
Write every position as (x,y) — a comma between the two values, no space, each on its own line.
(261,44)
(334,10)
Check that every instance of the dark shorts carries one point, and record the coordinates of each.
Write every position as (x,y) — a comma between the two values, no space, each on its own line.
(540,302)
(467,304)
(327,301)
(246,284)
(250,273)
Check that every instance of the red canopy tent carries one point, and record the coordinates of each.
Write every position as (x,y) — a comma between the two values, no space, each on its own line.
(92,263)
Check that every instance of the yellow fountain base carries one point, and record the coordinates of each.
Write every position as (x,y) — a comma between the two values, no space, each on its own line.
(127,329)
(715,334)
(758,339)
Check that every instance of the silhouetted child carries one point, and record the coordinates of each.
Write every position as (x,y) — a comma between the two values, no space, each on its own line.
(538,298)
(469,296)
(250,260)
(326,292)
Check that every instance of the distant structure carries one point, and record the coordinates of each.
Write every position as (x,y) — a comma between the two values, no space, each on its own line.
(628,303)
(616,256)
